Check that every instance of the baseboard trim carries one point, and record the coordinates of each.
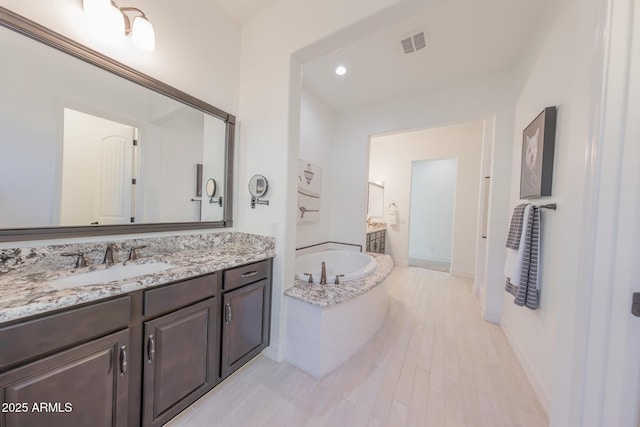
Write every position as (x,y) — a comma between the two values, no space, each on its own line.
(543,395)
(464,274)
(273,353)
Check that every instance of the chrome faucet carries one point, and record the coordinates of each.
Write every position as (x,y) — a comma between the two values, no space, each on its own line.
(110,254)
(323,274)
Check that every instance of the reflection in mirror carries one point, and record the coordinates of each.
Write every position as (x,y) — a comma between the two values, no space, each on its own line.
(98,171)
(376,201)
(68,151)
(211,187)
(258,186)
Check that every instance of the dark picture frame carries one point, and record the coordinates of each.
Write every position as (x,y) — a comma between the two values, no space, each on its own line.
(538,146)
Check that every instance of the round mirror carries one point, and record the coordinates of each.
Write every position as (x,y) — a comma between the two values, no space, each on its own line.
(211,187)
(258,186)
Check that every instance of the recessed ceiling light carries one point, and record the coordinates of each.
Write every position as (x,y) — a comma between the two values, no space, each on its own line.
(341,70)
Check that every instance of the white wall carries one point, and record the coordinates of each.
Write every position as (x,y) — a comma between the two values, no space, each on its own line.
(168,159)
(390,161)
(200,38)
(472,100)
(316,143)
(557,70)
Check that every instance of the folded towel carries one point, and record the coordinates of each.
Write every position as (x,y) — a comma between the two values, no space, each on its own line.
(529,278)
(513,262)
(392,215)
(515,229)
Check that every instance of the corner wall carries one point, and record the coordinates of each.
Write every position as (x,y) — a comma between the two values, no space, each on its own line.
(558,70)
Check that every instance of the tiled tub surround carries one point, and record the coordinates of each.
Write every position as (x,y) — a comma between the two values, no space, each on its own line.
(327,324)
(26,273)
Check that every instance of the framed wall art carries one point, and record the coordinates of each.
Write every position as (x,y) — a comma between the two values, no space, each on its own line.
(538,144)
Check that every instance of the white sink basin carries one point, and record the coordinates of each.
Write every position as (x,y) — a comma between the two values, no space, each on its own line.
(109,275)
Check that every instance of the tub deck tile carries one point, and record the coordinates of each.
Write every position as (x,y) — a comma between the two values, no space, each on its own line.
(330,294)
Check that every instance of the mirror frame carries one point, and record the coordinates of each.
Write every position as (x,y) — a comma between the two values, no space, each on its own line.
(35,31)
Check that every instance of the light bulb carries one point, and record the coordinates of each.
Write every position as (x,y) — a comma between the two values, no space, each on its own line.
(95,7)
(341,70)
(105,20)
(142,34)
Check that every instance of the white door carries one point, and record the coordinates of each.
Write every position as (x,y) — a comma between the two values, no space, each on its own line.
(113,190)
(97,170)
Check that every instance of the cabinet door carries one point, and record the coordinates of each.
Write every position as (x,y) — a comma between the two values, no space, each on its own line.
(245,329)
(179,360)
(84,386)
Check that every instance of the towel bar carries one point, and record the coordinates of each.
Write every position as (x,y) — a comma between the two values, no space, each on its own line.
(551,206)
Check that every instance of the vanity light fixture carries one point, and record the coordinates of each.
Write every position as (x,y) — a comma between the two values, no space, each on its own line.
(115,22)
(341,70)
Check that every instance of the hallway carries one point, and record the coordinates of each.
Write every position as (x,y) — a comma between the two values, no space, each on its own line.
(434,363)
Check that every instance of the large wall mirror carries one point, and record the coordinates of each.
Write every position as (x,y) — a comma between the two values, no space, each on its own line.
(92,147)
(375,201)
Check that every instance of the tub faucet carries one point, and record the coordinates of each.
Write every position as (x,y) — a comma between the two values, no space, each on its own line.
(323,274)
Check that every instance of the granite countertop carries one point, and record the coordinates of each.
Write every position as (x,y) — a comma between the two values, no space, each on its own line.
(330,294)
(376,226)
(27,292)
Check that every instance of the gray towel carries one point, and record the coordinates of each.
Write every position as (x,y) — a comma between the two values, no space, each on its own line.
(515,229)
(528,287)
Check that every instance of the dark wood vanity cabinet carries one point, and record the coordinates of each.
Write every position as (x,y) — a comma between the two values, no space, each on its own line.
(136,359)
(179,360)
(376,241)
(86,385)
(246,314)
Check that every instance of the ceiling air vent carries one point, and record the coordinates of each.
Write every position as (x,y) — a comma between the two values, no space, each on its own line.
(413,41)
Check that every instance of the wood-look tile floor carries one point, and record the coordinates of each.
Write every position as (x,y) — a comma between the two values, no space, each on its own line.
(435,363)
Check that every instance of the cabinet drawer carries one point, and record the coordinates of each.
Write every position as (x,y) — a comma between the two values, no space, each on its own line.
(167,298)
(246,274)
(39,336)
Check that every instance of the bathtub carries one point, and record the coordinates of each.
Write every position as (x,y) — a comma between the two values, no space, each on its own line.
(353,265)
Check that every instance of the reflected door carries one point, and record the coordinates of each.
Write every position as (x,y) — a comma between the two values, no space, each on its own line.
(98,171)
(113,195)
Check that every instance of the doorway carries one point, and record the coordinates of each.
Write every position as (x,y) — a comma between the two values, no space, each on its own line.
(431,213)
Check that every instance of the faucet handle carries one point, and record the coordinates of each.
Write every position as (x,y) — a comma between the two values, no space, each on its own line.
(310,277)
(133,252)
(337,281)
(81,261)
